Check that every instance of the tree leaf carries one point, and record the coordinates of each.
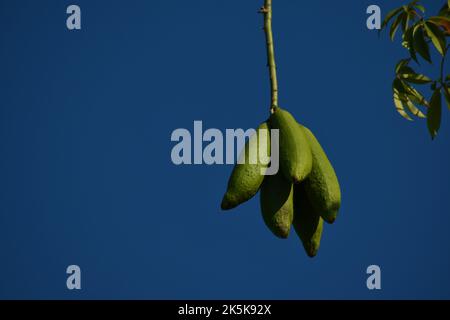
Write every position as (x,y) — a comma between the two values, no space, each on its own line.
(437,37)
(420,45)
(446,95)
(439,19)
(402,63)
(414,110)
(400,109)
(441,22)
(444,10)
(434,114)
(420,7)
(406,70)
(409,38)
(400,88)
(415,95)
(396,24)
(398,97)
(389,16)
(416,78)
(405,21)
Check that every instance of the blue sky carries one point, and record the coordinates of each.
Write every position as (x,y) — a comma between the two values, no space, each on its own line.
(86,176)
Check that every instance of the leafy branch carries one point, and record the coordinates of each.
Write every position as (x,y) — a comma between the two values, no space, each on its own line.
(418,35)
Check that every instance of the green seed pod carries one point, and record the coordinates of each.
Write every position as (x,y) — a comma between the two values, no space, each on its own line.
(307,222)
(277,206)
(294,150)
(322,185)
(247,177)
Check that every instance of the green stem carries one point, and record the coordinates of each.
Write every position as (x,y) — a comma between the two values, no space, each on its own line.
(267,11)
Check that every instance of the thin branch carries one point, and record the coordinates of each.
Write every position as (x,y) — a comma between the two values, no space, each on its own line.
(267,11)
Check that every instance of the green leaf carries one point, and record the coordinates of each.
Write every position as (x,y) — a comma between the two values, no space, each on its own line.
(409,39)
(420,45)
(442,22)
(400,108)
(416,78)
(420,7)
(444,10)
(389,16)
(405,21)
(437,37)
(434,114)
(399,98)
(398,87)
(395,25)
(439,20)
(415,95)
(406,70)
(447,78)
(446,95)
(414,110)
(402,63)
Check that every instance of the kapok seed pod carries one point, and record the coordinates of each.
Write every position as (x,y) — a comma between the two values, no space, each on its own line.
(308,224)
(247,177)
(277,207)
(294,151)
(322,184)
